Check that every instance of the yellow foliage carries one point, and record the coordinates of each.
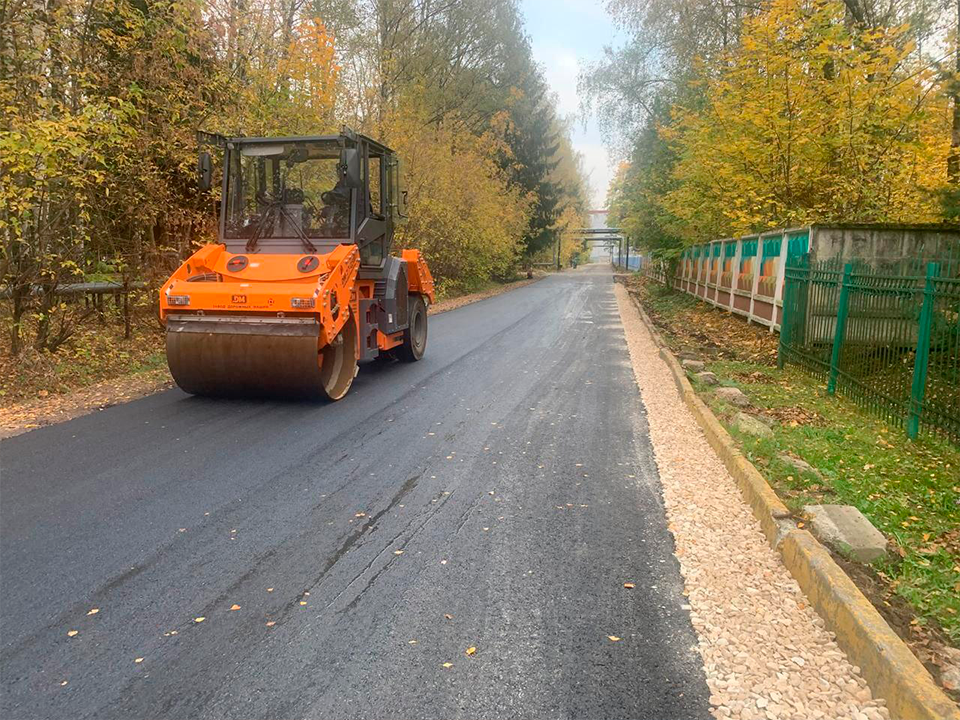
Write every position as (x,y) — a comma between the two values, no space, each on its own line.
(294,94)
(103,101)
(464,216)
(809,120)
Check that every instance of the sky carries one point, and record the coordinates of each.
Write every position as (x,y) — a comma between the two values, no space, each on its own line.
(565,35)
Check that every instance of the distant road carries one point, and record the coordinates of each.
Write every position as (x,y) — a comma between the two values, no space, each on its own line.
(495,495)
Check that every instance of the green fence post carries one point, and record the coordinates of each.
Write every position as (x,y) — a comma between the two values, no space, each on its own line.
(793,286)
(921,359)
(841,329)
(784,332)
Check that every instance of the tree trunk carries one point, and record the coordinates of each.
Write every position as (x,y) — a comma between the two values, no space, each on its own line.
(16,326)
(47,301)
(953,159)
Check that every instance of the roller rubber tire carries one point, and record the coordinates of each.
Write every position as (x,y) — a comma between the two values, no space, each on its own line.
(415,336)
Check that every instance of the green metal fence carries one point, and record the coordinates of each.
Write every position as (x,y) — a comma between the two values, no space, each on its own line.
(887,338)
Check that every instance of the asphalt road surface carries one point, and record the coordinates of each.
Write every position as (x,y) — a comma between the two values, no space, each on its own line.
(496,495)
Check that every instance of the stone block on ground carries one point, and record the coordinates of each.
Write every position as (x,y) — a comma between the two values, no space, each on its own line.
(751,426)
(768,421)
(692,365)
(733,395)
(707,378)
(950,677)
(845,529)
(799,465)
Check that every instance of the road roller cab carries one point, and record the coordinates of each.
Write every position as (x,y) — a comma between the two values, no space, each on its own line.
(302,284)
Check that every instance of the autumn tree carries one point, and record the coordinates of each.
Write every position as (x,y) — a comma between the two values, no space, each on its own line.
(635,197)
(811,120)
(464,69)
(736,117)
(102,102)
(100,105)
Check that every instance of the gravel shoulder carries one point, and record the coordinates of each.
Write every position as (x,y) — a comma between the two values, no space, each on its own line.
(813,448)
(766,652)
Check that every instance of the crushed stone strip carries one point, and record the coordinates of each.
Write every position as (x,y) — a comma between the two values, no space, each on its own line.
(766,652)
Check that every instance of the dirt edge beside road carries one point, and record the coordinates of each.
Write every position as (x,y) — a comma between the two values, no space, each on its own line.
(58,408)
(766,652)
(461,300)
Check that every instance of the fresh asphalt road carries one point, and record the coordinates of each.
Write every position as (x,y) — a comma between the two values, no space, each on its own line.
(496,495)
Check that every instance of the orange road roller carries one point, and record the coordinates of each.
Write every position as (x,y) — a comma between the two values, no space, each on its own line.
(302,285)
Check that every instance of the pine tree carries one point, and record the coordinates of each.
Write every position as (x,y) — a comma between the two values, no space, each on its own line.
(535,144)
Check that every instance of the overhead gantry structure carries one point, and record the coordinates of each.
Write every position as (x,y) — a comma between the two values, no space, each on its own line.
(604,235)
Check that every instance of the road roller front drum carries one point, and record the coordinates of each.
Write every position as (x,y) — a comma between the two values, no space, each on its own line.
(249,357)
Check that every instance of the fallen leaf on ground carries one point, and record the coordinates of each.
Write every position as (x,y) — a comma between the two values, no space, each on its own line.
(93,611)
(613,638)
(71,633)
(271,623)
(234,607)
(63,683)
(199,619)
(471,650)
(138,660)
(448,665)
(411,642)
(269,589)
(303,602)
(448,617)
(629,586)
(398,552)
